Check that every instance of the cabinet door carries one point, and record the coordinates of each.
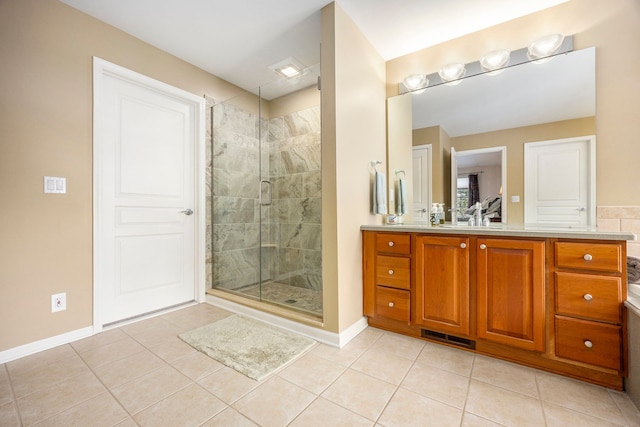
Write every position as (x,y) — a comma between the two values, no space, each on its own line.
(511,289)
(442,284)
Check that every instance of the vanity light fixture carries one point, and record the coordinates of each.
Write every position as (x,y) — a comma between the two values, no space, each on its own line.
(287,68)
(545,46)
(494,62)
(451,73)
(416,83)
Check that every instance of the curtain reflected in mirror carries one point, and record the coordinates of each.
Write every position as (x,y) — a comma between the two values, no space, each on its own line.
(474,190)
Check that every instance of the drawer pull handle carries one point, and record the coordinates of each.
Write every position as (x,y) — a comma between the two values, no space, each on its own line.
(588,344)
(391,272)
(391,304)
(463,245)
(587,257)
(483,246)
(588,297)
(391,243)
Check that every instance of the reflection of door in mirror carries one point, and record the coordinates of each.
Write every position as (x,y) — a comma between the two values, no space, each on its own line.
(421,182)
(559,184)
(484,169)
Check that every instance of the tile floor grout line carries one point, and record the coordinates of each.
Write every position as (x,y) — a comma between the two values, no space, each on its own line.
(13,394)
(615,402)
(107,389)
(583,383)
(544,414)
(466,396)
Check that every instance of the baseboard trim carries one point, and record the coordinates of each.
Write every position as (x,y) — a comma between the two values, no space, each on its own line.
(330,338)
(45,344)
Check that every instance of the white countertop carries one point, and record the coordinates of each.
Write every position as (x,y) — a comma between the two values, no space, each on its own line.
(504,230)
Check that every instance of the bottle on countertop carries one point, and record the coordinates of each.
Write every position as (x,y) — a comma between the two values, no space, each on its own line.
(434,215)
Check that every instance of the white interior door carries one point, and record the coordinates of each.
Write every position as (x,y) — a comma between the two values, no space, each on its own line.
(421,170)
(146,137)
(559,183)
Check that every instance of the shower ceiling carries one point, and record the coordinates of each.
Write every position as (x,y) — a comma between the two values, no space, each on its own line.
(238,40)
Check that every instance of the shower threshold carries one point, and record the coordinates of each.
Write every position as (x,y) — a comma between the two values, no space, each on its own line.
(305,300)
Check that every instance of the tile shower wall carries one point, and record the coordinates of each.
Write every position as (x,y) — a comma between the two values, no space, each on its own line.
(295,214)
(233,182)
(291,225)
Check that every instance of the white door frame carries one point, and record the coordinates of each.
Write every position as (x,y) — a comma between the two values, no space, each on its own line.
(454,176)
(102,68)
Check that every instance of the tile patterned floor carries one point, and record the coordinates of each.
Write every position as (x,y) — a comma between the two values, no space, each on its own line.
(143,375)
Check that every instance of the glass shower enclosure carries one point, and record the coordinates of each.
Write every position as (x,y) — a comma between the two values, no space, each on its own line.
(265,207)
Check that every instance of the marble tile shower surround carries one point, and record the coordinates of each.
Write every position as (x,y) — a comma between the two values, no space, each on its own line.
(292,252)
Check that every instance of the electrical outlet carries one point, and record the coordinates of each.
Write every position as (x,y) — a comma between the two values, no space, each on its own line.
(58,302)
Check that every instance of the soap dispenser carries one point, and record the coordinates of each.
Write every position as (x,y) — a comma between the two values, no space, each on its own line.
(441,212)
(434,215)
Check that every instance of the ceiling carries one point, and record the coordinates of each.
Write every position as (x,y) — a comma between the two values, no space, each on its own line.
(238,40)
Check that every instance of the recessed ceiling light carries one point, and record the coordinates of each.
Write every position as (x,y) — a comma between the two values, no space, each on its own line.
(287,68)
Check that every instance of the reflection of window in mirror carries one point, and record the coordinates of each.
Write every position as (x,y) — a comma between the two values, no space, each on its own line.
(463,194)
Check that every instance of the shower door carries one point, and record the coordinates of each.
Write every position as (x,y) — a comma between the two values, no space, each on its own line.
(266,197)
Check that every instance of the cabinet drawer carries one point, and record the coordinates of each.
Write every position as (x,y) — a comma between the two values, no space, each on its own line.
(590,296)
(393,271)
(590,256)
(392,303)
(589,342)
(393,243)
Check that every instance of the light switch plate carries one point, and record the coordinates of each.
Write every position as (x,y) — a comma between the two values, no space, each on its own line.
(515,199)
(55,184)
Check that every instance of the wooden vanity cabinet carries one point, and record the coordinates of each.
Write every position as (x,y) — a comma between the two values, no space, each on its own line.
(550,303)
(387,276)
(511,292)
(589,289)
(442,284)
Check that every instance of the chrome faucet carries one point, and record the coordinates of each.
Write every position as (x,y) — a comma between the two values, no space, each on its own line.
(478,213)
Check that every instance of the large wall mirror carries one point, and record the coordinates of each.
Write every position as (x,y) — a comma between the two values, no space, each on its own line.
(529,102)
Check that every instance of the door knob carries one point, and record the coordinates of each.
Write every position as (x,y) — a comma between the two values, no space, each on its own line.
(187,212)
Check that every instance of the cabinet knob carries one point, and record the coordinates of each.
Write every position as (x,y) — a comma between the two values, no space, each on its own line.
(587,257)
(463,245)
(391,243)
(391,304)
(588,344)
(483,246)
(391,272)
(588,297)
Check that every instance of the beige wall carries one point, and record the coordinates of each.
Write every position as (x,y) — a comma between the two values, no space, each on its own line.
(353,134)
(296,101)
(46,51)
(614,29)
(401,156)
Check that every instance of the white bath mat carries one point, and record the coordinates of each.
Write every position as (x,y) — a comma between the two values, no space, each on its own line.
(251,347)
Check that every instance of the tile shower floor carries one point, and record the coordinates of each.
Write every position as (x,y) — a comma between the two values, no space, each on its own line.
(142,374)
(301,299)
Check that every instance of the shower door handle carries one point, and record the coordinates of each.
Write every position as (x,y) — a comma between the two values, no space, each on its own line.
(265,192)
